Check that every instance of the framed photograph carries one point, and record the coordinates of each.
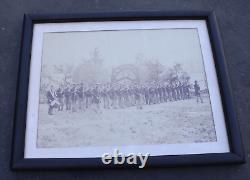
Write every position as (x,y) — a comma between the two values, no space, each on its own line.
(130,89)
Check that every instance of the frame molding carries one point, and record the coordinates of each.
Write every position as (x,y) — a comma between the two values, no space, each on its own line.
(18,162)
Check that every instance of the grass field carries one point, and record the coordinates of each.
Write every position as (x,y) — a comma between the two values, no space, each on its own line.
(174,122)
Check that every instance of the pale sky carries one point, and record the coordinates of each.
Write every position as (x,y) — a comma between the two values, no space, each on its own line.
(168,46)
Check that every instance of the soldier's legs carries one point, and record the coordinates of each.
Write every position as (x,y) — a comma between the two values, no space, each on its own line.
(80,103)
(73,105)
(139,103)
(59,105)
(50,110)
(120,102)
(201,99)
(108,102)
(62,105)
(88,102)
(146,98)
(67,103)
(104,102)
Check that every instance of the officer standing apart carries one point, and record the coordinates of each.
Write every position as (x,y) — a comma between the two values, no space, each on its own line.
(197,92)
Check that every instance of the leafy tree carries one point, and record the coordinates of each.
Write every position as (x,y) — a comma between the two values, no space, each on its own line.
(154,69)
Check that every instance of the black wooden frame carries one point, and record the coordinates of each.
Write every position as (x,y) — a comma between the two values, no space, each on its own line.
(18,162)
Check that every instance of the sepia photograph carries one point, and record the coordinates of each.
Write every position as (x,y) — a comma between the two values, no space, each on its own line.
(126,87)
(140,87)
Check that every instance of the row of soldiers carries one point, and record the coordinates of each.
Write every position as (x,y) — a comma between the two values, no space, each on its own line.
(77,97)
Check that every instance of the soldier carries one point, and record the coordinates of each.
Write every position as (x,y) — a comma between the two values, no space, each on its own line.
(182,91)
(129,94)
(59,95)
(73,97)
(123,97)
(119,97)
(87,94)
(116,97)
(151,95)
(80,95)
(187,92)
(163,90)
(160,92)
(104,95)
(111,96)
(156,95)
(173,92)
(132,92)
(146,93)
(168,93)
(137,92)
(177,89)
(197,92)
(66,94)
(51,95)
(96,99)
(126,97)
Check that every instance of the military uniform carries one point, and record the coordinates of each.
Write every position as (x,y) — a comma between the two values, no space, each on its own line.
(80,95)
(197,92)
(66,94)
(59,95)
(51,98)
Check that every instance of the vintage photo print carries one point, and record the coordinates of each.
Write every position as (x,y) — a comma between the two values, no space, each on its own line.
(147,86)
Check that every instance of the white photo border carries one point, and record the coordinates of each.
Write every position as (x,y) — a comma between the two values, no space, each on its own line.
(31,150)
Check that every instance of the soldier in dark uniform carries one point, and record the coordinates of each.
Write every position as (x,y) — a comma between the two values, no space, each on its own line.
(130,96)
(197,92)
(66,94)
(151,95)
(177,91)
(73,94)
(154,94)
(123,97)
(173,92)
(169,91)
(137,93)
(104,95)
(164,96)
(132,91)
(96,98)
(181,91)
(111,96)
(80,96)
(126,97)
(59,95)
(51,95)
(88,95)
(116,97)
(119,97)
(161,92)
(187,92)
(146,93)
